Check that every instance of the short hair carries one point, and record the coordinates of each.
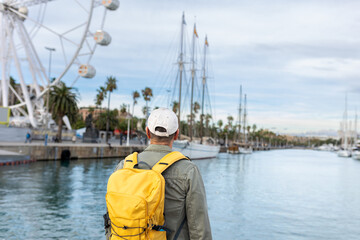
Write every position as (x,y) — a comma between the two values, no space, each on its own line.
(162,139)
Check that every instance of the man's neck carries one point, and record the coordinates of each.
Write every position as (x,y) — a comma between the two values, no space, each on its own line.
(160,143)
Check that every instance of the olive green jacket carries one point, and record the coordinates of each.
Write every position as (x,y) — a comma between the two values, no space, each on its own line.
(185,198)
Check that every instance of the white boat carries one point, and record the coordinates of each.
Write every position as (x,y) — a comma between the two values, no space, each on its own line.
(196,150)
(344,153)
(356,155)
(191,148)
(248,150)
(356,151)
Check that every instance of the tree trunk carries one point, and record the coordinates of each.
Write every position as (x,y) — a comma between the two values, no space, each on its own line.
(132,117)
(60,123)
(107,120)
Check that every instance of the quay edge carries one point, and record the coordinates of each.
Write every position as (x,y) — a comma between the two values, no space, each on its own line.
(53,151)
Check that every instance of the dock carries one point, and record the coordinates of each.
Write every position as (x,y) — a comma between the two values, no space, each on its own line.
(37,151)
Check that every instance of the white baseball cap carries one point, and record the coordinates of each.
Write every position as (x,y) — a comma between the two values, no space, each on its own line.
(163,117)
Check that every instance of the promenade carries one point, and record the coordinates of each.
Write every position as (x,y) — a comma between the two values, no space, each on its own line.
(37,151)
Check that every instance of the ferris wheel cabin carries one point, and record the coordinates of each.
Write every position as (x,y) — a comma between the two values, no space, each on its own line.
(102,38)
(111,4)
(86,71)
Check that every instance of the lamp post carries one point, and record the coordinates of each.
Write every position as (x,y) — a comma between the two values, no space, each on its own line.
(48,94)
(128,126)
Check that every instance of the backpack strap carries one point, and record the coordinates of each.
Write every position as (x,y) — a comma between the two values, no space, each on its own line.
(131,160)
(168,160)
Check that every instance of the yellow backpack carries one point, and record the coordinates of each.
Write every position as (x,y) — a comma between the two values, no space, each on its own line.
(135,199)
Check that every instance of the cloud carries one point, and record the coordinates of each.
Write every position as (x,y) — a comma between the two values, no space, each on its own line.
(329,68)
(294,59)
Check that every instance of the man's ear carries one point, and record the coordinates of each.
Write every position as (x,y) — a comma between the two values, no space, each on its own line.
(147,132)
(176,135)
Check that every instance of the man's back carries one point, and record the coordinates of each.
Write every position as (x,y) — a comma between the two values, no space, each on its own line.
(185,200)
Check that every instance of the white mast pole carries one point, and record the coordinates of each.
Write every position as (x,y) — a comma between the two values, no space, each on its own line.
(239,132)
(355,129)
(345,125)
(203,89)
(181,67)
(192,83)
(244,127)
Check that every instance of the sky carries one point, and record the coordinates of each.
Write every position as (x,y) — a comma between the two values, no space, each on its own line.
(295,60)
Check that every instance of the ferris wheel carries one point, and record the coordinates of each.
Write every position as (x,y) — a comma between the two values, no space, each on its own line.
(43,42)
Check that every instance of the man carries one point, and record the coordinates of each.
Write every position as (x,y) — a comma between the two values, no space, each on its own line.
(28,137)
(186,213)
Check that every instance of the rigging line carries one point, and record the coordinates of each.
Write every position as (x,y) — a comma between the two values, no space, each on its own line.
(162,90)
(165,90)
(171,54)
(171,99)
(168,59)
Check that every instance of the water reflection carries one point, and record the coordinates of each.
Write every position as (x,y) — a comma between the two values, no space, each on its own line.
(267,195)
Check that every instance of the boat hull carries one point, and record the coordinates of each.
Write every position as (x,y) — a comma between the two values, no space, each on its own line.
(344,153)
(245,150)
(196,150)
(356,155)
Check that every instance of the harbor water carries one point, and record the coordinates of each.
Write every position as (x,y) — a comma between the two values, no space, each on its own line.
(280,194)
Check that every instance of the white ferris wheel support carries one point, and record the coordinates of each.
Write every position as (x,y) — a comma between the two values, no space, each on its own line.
(19,51)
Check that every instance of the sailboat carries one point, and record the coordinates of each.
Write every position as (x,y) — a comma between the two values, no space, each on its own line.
(345,152)
(234,148)
(191,148)
(356,152)
(247,149)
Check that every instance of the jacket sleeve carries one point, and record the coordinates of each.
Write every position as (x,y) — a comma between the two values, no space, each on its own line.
(196,207)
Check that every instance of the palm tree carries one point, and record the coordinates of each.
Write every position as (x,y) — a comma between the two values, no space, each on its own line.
(147,94)
(135,96)
(102,119)
(123,108)
(100,97)
(207,121)
(63,101)
(91,110)
(145,110)
(175,107)
(230,120)
(110,87)
(220,123)
(248,128)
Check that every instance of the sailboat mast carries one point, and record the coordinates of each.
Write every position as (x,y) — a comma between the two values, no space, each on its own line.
(239,116)
(192,83)
(181,67)
(355,128)
(345,125)
(203,91)
(244,124)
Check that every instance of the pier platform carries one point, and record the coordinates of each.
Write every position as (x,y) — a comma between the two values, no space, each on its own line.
(37,151)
